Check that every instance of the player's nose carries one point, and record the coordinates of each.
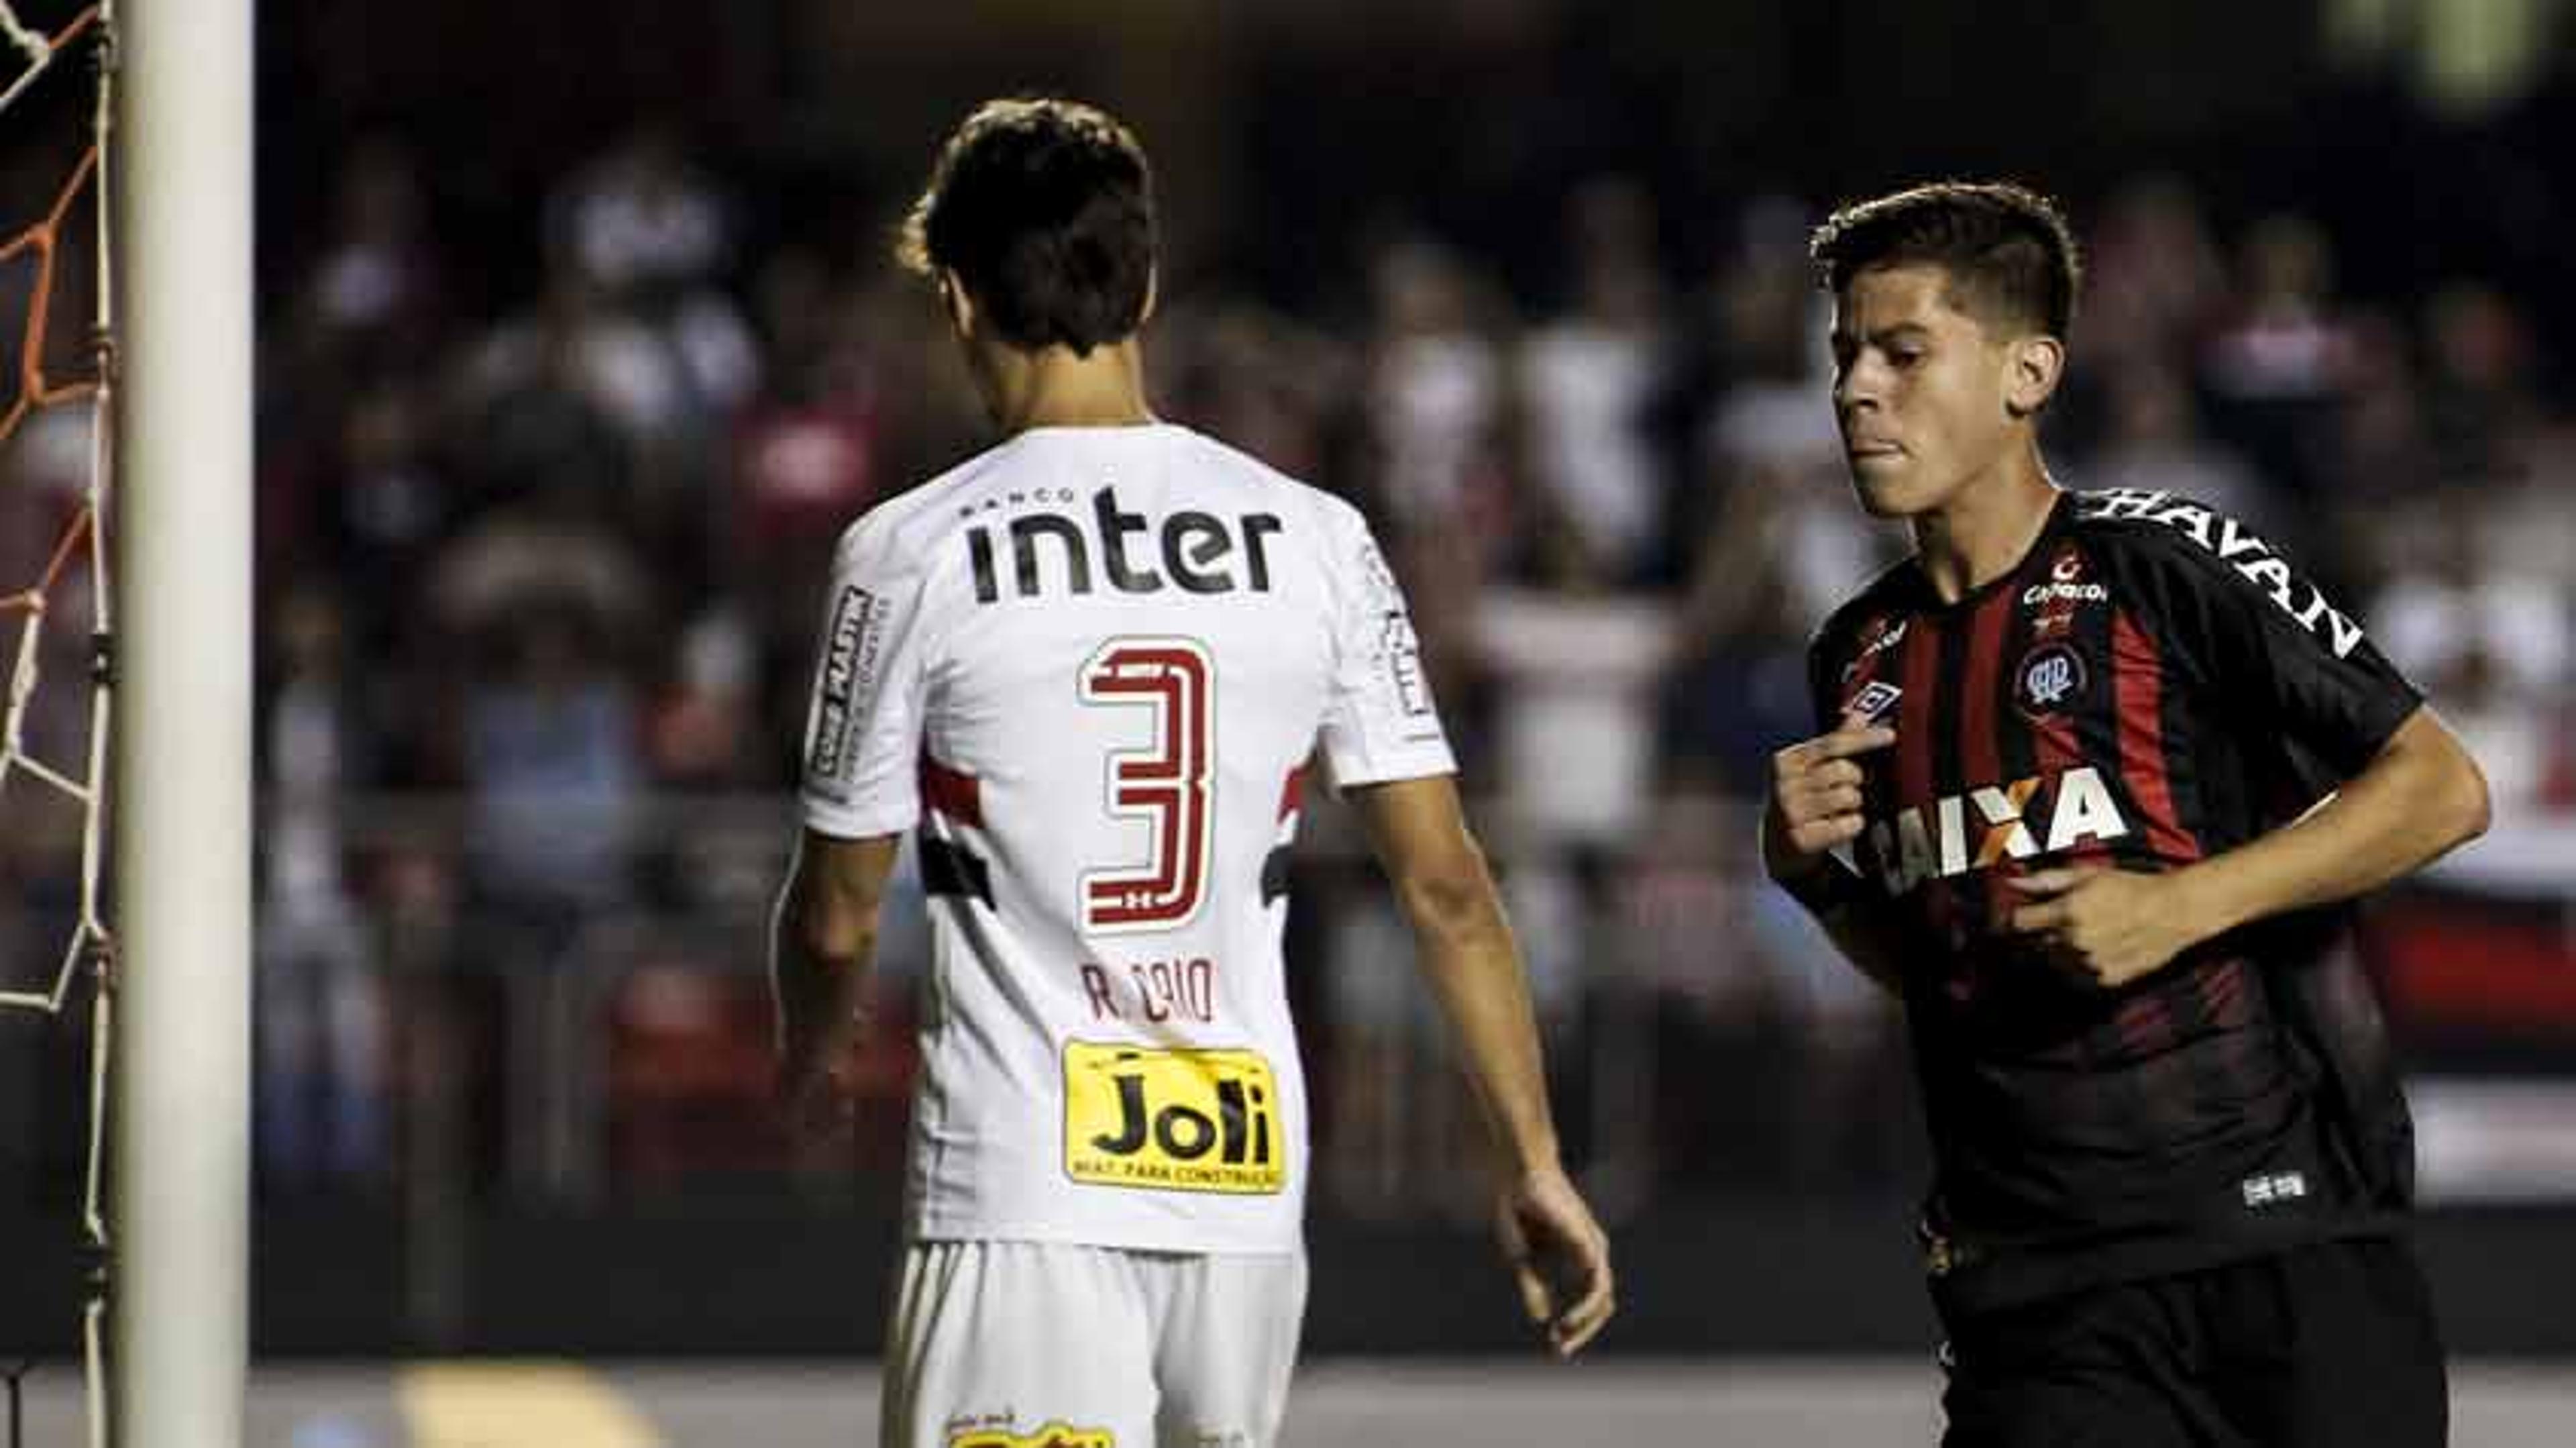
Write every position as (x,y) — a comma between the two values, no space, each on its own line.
(1855,386)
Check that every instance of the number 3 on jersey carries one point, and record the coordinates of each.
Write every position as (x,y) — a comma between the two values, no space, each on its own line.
(1164,783)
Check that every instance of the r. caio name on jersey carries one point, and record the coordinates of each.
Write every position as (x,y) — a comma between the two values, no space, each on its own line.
(2044,814)
(1154,990)
(1053,551)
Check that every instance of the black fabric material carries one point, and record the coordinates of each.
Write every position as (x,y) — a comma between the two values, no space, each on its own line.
(950,869)
(2329,1346)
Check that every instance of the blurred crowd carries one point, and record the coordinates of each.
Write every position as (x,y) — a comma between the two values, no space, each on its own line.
(538,589)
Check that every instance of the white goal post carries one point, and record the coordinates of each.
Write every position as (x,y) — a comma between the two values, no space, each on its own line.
(181,198)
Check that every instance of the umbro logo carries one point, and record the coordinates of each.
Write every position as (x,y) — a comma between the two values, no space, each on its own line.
(1874,701)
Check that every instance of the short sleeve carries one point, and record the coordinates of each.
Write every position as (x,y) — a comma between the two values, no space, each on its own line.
(1841,677)
(2265,641)
(1379,720)
(863,721)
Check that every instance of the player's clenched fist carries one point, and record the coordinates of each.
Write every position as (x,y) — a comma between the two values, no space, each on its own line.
(1816,794)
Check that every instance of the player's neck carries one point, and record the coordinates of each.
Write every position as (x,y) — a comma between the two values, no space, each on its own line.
(1055,388)
(1986,528)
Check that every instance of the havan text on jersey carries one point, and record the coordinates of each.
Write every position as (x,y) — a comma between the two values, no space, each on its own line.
(2043,814)
(2236,546)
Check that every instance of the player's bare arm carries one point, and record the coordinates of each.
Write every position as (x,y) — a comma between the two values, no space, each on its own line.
(822,946)
(1559,1254)
(1816,808)
(2421,797)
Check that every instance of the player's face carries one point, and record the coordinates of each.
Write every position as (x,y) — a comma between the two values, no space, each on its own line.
(1921,392)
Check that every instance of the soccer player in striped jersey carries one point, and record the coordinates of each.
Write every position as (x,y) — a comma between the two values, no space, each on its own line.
(1086,669)
(2098,772)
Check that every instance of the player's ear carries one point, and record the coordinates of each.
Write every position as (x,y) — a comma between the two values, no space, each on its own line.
(958,302)
(1153,294)
(2035,364)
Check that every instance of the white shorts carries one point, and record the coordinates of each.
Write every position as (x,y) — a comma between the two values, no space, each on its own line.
(1052,1345)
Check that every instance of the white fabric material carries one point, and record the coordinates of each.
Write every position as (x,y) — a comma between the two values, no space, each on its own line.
(1117,645)
(1049,1345)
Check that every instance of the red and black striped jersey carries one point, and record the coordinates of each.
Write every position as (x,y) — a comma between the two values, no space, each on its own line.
(2153,684)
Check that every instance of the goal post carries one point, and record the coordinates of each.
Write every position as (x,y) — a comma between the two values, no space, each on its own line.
(180,194)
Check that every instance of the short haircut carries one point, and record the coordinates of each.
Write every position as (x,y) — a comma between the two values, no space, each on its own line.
(2007,249)
(1044,208)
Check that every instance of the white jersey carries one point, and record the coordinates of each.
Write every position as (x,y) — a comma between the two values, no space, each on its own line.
(1090,665)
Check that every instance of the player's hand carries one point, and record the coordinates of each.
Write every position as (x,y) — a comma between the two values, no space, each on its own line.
(2108,926)
(1559,1257)
(1816,793)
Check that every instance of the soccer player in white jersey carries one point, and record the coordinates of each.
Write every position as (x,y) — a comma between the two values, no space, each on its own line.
(1088,668)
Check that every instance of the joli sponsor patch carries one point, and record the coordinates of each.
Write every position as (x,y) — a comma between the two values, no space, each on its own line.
(1173,1120)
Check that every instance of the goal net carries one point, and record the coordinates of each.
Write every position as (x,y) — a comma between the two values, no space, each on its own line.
(54,472)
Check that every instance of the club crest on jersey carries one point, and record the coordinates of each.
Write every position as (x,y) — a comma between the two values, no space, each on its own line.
(2043,814)
(2049,678)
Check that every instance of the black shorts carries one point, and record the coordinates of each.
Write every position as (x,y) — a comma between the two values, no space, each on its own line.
(2332,1344)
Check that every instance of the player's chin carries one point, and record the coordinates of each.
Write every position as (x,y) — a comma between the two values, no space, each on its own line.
(1886,488)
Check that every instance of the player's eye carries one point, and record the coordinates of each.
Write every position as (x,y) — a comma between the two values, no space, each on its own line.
(1905,356)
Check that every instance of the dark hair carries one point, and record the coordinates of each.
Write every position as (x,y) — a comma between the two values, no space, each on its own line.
(1045,210)
(2007,248)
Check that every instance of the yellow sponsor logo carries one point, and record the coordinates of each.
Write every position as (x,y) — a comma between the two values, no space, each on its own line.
(1179,1120)
(1056,1434)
